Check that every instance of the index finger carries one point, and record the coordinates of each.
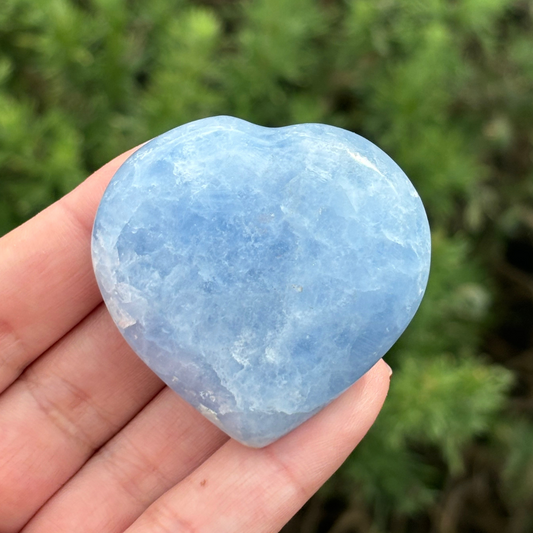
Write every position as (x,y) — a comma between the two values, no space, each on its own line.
(47,283)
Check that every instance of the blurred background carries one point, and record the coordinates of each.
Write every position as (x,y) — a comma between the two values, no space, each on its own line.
(445,87)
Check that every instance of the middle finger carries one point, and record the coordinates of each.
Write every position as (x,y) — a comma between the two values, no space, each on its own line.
(64,407)
(160,447)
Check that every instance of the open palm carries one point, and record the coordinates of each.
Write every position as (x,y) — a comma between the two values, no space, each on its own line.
(92,441)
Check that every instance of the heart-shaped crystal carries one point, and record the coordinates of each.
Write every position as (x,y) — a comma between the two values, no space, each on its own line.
(260,271)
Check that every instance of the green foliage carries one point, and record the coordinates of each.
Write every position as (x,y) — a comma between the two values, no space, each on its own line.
(444,86)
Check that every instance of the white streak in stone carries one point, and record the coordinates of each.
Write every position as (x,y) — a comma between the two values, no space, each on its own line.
(364,161)
(272,355)
(208,413)
(120,316)
(239,351)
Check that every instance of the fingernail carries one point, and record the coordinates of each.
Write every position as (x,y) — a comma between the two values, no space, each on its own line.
(390,370)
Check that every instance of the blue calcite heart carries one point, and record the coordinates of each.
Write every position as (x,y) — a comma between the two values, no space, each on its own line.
(260,271)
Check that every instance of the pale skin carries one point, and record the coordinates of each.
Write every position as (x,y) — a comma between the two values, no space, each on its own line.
(92,441)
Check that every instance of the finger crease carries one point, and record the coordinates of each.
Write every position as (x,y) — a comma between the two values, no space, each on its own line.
(14,352)
(79,223)
(286,472)
(67,415)
(163,518)
(131,482)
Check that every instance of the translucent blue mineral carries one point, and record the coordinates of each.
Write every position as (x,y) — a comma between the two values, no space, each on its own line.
(260,271)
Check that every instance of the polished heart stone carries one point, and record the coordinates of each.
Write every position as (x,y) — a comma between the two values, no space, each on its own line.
(260,272)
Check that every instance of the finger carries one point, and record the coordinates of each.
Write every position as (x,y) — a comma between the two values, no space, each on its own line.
(240,489)
(65,406)
(46,280)
(160,447)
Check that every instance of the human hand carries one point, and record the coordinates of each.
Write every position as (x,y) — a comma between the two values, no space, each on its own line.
(92,441)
